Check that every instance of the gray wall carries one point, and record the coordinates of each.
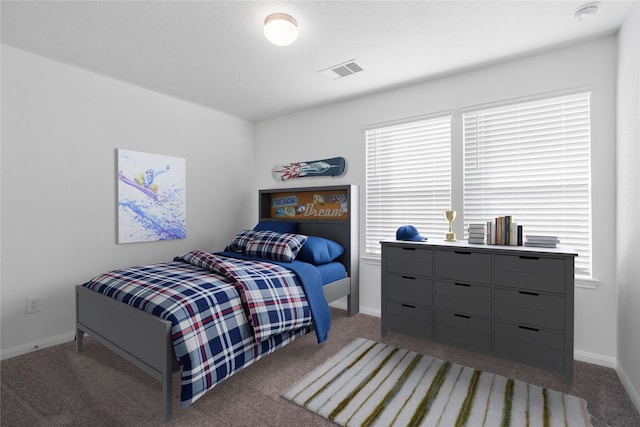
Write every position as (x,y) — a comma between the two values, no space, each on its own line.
(628,204)
(337,130)
(60,129)
(61,126)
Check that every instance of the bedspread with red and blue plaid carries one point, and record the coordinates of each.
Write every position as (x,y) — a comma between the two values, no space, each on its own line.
(226,313)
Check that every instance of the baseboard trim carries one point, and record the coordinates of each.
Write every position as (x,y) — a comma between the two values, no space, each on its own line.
(596,359)
(626,382)
(19,350)
(342,304)
(584,356)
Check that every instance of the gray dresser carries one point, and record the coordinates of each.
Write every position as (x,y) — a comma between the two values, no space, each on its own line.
(508,301)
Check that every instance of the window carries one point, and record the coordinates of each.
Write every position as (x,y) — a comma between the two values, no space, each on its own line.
(408,178)
(532,161)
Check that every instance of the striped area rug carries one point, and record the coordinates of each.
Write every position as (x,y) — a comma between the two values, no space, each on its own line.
(369,383)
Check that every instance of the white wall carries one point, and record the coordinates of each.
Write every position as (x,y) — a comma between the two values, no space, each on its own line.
(628,204)
(337,130)
(61,126)
(60,129)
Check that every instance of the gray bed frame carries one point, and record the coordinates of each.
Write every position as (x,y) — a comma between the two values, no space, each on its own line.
(145,340)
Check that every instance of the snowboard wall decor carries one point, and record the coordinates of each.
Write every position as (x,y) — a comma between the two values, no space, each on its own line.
(151,197)
(335,166)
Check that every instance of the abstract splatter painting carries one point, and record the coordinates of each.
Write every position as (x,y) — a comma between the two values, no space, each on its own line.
(151,197)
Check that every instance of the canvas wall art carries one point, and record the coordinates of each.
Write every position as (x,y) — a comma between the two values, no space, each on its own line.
(151,197)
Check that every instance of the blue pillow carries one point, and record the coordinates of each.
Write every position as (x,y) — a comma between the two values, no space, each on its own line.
(318,251)
(277,226)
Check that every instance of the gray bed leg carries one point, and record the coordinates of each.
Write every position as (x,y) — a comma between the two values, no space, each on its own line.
(79,337)
(353,305)
(167,386)
(167,377)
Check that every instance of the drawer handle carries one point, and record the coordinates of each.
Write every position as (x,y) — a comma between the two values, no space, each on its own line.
(529,329)
(535,258)
(462,252)
(408,305)
(408,249)
(409,277)
(535,294)
(462,284)
(462,315)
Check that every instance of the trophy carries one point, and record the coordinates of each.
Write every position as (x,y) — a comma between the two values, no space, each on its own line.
(450,216)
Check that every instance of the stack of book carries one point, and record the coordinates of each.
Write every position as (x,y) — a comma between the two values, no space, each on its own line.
(504,231)
(477,233)
(542,241)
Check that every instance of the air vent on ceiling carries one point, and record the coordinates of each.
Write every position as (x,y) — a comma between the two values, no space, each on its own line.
(341,70)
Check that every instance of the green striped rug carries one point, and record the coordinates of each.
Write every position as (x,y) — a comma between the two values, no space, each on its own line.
(368,383)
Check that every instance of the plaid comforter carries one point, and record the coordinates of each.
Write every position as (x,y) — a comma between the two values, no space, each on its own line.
(226,313)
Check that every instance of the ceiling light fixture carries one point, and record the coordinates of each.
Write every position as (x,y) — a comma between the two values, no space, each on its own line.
(585,11)
(280,29)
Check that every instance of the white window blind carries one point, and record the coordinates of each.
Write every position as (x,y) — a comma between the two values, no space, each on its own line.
(531,160)
(408,178)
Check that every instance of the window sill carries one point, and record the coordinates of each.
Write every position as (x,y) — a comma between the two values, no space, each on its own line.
(586,282)
(370,259)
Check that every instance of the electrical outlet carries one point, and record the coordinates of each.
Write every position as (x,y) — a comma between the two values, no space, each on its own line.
(33,304)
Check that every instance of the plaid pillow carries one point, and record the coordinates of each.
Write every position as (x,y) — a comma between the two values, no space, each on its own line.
(240,241)
(275,246)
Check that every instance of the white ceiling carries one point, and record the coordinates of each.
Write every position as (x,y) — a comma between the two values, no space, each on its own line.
(213,53)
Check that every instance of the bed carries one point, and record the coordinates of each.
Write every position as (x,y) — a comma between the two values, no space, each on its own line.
(147,341)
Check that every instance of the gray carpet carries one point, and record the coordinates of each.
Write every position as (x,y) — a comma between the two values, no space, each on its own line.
(59,387)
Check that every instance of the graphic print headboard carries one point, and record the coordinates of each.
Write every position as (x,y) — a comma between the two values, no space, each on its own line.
(330,212)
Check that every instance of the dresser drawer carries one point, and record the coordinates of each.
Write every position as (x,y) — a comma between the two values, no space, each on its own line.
(536,347)
(463,298)
(530,272)
(514,303)
(463,266)
(409,260)
(414,290)
(462,330)
(530,308)
(409,319)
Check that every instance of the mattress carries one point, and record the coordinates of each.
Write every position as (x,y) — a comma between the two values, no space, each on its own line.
(331,272)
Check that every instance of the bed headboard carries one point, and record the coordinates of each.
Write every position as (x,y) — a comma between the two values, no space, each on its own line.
(329,211)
